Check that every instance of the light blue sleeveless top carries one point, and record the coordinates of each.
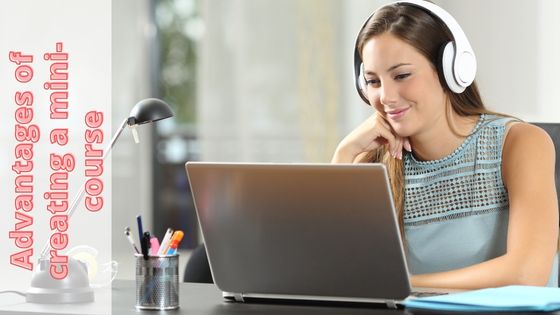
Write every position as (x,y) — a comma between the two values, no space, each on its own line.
(456,208)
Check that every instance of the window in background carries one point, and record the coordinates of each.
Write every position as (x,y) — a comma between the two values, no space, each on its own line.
(179,26)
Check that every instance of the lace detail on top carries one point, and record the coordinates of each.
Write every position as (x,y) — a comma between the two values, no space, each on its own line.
(465,183)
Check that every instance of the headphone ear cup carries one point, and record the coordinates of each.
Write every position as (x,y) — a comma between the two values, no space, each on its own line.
(447,64)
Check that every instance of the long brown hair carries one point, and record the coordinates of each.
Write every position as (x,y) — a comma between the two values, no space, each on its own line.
(428,35)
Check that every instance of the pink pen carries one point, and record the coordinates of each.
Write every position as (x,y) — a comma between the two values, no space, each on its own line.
(154,248)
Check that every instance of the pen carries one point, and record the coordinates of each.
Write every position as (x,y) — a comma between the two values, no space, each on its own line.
(154,248)
(145,244)
(165,242)
(174,243)
(130,240)
(140,228)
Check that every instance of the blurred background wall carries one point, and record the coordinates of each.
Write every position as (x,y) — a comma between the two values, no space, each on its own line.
(264,80)
(132,45)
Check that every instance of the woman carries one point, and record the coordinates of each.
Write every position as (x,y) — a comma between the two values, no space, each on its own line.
(474,190)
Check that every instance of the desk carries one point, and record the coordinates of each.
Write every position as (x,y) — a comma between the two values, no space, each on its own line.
(198,298)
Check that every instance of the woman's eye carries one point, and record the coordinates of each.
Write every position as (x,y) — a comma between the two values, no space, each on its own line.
(372,81)
(402,76)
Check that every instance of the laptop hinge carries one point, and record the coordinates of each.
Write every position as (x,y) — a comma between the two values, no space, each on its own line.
(391,304)
(238,297)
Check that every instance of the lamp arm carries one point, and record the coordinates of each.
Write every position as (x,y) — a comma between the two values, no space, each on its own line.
(81,192)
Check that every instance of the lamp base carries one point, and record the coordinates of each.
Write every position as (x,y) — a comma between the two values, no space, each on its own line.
(74,288)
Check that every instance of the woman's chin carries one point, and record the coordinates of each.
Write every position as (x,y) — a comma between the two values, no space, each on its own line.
(401,130)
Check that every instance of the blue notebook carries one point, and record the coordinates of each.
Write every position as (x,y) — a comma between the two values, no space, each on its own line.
(510,298)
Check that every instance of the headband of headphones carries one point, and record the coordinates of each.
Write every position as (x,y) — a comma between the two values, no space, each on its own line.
(458,58)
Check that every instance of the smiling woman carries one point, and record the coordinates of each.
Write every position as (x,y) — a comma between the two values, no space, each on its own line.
(387,79)
(474,189)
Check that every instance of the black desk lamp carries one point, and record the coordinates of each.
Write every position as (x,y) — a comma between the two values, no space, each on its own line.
(75,287)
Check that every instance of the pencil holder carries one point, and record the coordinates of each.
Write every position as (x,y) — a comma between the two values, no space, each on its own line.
(157,282)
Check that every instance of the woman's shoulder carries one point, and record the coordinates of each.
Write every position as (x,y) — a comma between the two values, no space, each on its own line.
(527,144)
(527,135)
(517,132)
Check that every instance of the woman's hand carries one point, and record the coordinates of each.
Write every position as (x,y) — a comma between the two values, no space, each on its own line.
(368,136)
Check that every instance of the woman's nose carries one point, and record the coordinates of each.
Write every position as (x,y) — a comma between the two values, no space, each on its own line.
(388,94)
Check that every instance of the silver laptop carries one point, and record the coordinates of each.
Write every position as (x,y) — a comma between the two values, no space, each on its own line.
(323,232)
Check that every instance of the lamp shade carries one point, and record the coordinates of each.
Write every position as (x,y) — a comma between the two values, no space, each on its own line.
(149,110)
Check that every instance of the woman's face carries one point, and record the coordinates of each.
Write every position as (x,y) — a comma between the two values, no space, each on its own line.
(402,85)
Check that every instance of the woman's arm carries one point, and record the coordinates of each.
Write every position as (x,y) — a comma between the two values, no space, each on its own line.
(532,241)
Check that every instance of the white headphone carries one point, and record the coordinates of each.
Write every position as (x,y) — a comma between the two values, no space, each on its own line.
(458,62)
